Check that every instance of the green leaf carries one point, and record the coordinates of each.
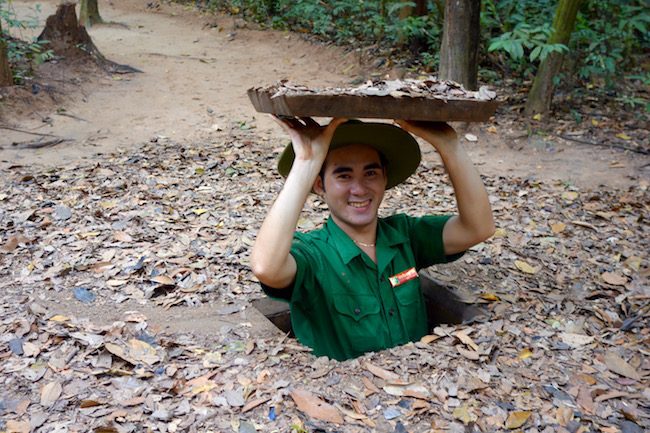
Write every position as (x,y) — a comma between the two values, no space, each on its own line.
(518,50)
(535,53)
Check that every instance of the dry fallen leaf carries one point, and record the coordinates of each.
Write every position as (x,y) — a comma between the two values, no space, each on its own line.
(381,373)
(12,426)
(254,403)
(614,279)
(50,393)
(525,354)
(119,352)
(489,297)
(609,395)
(143,352)
(463,414)
(525,267)
(585,401)
(570,195)
(576,340)
(558,227)
(12,243)
(429,338)
(564,415)
(163,280)
(123,237)
(315,407)
(464,338)
(411,390)
(619,366)
(469,354)
(517,418)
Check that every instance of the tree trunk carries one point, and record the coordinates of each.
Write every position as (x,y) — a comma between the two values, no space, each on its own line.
(67,38)
(460,42)
(6,77)
(541,94)
(89,13)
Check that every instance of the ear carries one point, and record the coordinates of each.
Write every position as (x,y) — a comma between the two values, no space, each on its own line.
(318,187)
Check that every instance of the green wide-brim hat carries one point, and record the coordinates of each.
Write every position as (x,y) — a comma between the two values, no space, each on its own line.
(398,147)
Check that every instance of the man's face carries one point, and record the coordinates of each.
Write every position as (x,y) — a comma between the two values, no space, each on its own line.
(353,185)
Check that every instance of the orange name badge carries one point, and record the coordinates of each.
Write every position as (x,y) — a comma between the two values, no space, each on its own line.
(403,277)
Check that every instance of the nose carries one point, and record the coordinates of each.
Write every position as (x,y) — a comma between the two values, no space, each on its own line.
(358,188)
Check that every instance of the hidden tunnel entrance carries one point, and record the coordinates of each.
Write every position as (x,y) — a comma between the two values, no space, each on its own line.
(442,303)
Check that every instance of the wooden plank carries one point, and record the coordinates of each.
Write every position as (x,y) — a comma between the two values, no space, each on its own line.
(373,107)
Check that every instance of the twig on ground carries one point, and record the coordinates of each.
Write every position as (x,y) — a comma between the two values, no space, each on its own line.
(38,144)
(614,145)
(71,116)
(26,132)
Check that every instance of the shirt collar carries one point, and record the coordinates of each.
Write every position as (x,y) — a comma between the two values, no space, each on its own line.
(387,238)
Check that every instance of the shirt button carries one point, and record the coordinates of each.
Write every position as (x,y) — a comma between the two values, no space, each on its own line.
(391,312)
(357,311)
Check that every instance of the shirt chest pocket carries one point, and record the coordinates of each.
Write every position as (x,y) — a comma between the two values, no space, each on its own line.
(411,308)
(359,321)
(408,293)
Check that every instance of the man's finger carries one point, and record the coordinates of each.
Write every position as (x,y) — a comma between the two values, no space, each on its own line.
(309,121)
(282,121)
(335,122)
(288,122)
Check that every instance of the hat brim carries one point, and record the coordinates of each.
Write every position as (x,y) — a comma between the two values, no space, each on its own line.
(399,148)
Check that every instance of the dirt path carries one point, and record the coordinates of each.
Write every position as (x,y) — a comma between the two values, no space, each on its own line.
(196,73)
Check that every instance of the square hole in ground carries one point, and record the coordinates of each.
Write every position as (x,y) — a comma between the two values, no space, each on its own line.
(443,307)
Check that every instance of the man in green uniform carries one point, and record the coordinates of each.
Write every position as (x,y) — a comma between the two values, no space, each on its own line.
(353,285)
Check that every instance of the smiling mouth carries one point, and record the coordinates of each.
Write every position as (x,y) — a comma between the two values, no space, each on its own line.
(359,204)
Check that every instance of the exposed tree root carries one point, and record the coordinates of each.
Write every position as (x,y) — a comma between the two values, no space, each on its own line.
(38,144)
(25,131)
(67,38)
(611,145)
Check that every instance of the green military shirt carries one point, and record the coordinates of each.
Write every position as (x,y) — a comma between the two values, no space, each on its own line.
(343,304)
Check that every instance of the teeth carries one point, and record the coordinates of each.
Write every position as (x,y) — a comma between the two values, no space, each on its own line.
(360,204)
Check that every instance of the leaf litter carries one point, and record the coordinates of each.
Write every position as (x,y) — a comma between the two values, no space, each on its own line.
(564,281)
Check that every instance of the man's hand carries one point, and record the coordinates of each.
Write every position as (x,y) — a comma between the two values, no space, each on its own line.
(310,140)
(439,134)
(474,222)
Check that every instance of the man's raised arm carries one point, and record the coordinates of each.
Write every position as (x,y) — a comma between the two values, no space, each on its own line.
(271,260)
(474,222)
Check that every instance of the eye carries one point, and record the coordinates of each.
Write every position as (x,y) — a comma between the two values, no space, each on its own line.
(371,173)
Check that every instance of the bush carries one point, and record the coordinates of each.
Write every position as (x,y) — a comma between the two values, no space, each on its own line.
(348,22)
(23,55)
(607,41)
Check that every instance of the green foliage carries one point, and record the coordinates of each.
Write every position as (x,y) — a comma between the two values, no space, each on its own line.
(608,34)
(351,22)
(603,45)
(525,37)
(23,56)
